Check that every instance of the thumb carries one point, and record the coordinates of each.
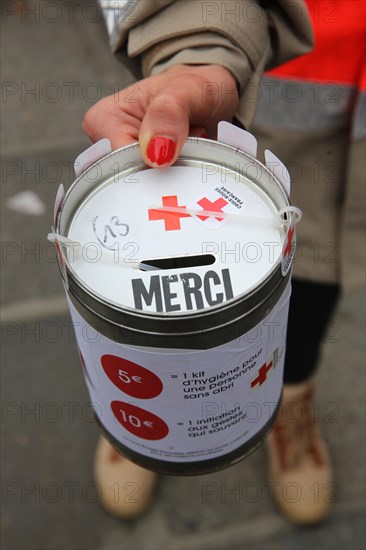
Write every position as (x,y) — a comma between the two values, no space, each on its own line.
(165,127)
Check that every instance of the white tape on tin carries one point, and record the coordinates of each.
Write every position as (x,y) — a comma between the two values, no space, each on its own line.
(60,196)
(278,169)
(236,137)
(91,155)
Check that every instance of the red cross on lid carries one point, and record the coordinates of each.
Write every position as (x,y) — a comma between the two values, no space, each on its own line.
(215,206)
(171,219)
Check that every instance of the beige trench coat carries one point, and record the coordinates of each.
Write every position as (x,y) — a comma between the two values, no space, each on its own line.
(326,160)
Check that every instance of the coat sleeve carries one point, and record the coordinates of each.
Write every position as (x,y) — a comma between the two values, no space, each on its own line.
(244,36)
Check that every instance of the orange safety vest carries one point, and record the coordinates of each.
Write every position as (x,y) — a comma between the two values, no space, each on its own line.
(331,79)
(321,98)
(340,45)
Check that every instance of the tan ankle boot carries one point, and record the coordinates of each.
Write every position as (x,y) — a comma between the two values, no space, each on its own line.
(126,489)
(300,468)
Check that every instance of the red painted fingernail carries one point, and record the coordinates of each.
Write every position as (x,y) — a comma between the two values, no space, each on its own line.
(161,150)
(204,135)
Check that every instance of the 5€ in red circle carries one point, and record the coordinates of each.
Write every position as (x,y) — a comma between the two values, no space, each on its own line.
(131,378)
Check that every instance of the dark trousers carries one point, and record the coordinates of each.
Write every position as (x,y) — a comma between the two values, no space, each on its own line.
(311,307)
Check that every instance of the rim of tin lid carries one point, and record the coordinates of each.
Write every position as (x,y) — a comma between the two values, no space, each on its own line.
(174,331)
(189,152)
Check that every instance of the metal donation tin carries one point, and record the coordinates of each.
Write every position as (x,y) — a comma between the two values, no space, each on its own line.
(178,287)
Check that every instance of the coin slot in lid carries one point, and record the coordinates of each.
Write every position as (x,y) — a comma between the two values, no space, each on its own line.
(177,262)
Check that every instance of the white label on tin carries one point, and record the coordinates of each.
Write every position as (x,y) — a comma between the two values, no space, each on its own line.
(186,405)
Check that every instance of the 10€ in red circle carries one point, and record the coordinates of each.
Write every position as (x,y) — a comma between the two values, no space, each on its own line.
(139,422)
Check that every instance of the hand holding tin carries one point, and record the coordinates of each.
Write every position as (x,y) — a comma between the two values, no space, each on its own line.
(161,111)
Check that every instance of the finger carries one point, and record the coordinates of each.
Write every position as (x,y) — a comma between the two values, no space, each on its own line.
(107,119)
(164,128)
(118,134)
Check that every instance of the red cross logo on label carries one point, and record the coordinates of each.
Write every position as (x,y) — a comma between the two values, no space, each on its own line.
(216,206)
(290,234)
(262,375)
(171,219)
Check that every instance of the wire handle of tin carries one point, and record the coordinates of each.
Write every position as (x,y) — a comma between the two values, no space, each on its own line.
(255,220)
